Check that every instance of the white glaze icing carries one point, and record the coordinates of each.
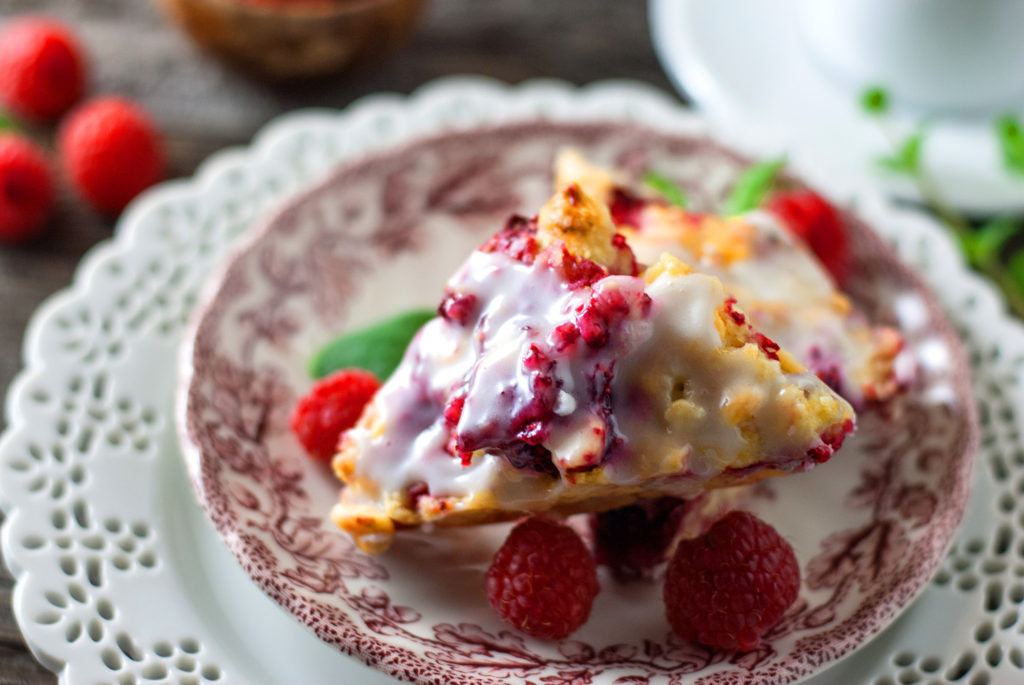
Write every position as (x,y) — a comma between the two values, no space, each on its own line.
(606,401)
(788,295)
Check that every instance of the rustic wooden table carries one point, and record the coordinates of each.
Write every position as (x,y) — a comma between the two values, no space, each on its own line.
(203,106)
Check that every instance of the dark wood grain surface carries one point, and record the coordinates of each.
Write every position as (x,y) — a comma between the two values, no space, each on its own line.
(203,106)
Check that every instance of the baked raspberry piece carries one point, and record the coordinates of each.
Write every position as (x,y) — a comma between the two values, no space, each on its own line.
(730,586)
(542,581)
(26,189)
(457,307)
(625,207)
(812,219)
(578,272)
(518,239)
(42,70)
(330,408)
(605,310)
(112,152)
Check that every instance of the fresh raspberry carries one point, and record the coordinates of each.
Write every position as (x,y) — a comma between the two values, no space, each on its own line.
(812,219)
(42,71)
(331,407)
(112,152)
(26,189)
(633,540)
(543,580)
(727,588)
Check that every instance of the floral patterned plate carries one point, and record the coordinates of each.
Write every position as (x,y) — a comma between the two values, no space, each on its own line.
(381,236)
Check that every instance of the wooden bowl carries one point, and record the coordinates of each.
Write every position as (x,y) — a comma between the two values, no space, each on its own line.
(298,39)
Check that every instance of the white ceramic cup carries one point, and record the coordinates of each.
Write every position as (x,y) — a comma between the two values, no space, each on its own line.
(942,55)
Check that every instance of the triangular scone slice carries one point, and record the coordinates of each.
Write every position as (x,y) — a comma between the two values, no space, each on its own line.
(559,378)
(777,281)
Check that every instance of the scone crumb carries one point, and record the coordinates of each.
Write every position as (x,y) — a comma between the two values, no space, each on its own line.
(741,405)
(683,415)
(572,167)
(584,226)
(666,264)
(371,530)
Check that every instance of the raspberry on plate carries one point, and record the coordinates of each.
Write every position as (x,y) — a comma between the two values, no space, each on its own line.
(727,588)
(812,219)
(26,189)
(42,70)
(112,152)
(330,408)
(634,539)
(543,580)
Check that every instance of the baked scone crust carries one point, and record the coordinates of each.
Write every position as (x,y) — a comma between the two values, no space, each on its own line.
(567,380)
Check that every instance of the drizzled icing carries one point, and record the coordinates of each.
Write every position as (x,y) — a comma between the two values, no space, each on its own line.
(517,384)
(558,376)
(539,381)
(778,282)
(720,405)
(786,293)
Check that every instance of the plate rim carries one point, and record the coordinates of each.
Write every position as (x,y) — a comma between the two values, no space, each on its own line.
(230,533)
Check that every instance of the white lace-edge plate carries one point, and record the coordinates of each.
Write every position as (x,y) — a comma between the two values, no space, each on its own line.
(119,580)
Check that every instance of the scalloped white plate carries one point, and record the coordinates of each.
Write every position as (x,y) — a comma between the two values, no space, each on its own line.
(121,579)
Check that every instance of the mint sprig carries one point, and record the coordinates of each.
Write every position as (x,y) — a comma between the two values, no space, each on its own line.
(1015,267)
(378,348)
(907,158)
(1010,134)
(986,242)
(752,186)
(985,245)
(875,100)
(6,123)
(665,187)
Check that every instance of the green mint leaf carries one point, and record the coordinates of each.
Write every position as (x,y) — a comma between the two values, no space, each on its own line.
(753,185)
(986,242)
(666,188)
(875,101)
(1016,270)
(893,164)
(6,123)
(910,152)
(969,246)
(1010,132)
(378,348)
(907,159)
